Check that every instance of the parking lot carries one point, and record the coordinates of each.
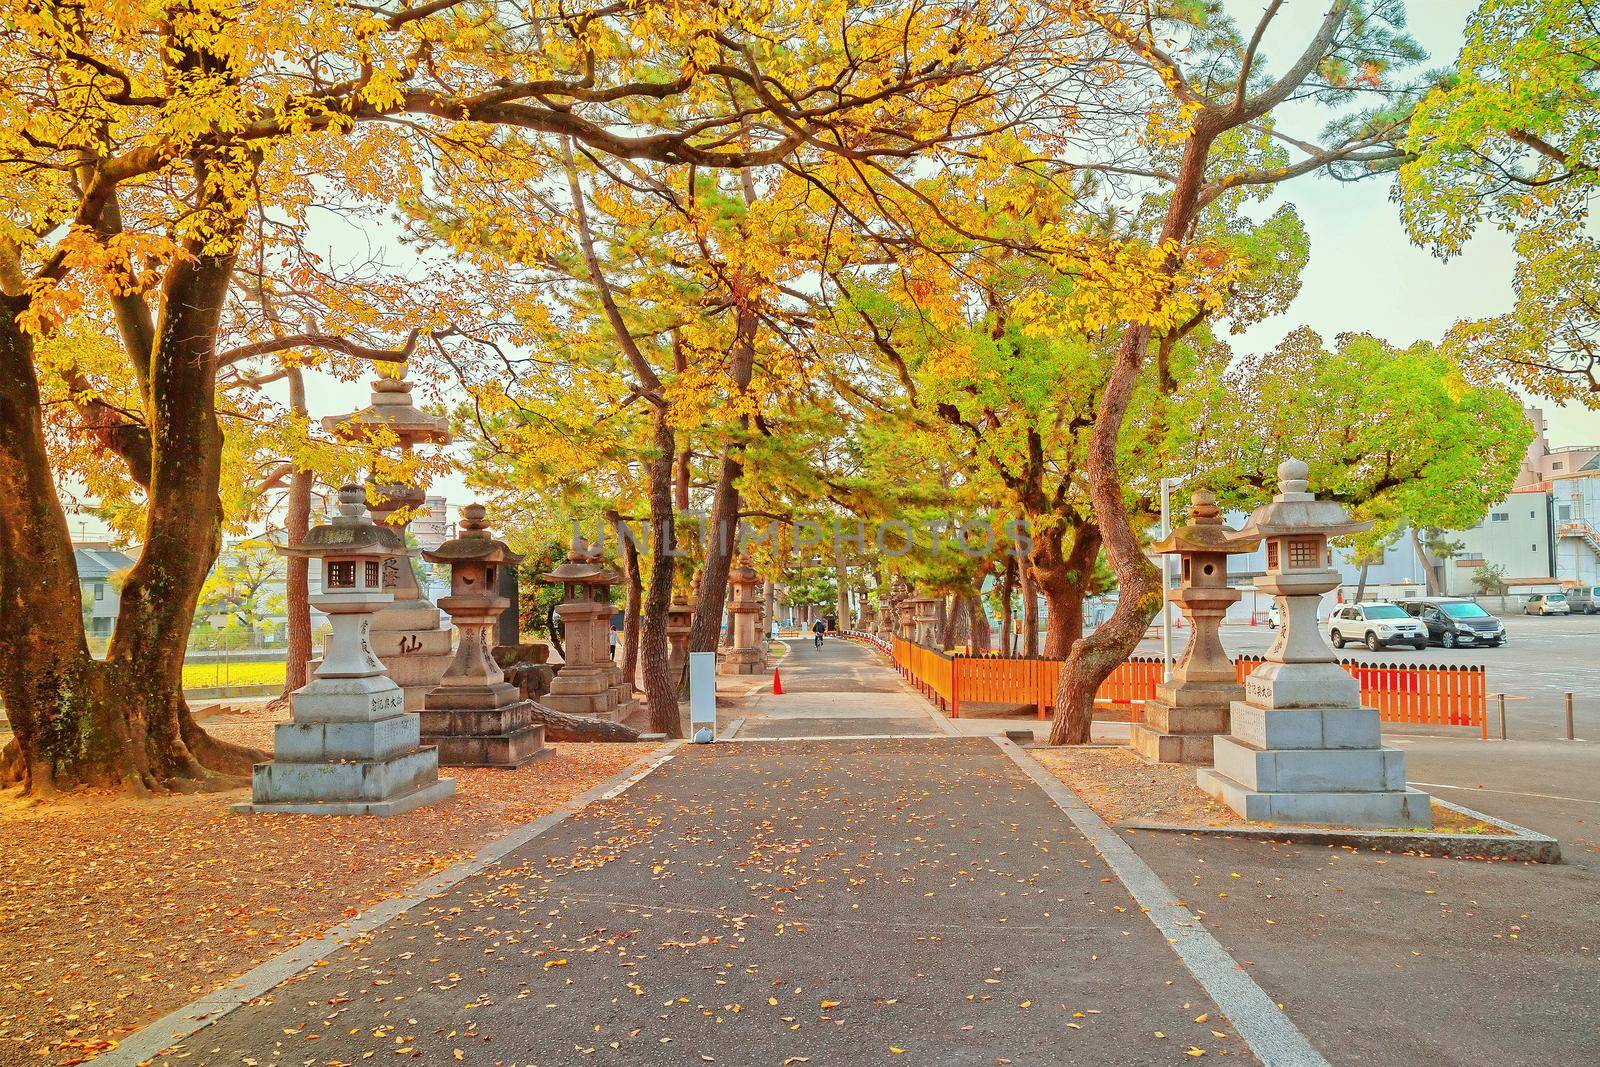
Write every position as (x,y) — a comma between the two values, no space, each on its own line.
(1542,660)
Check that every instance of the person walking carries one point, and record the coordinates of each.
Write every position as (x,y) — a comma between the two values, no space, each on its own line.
(818,628)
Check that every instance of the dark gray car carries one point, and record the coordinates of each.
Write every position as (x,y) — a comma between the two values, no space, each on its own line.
(1457,622)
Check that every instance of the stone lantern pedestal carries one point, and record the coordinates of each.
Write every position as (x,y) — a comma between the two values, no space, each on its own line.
(600,591)
(407,633)
(583,685)
(748,654)
(1302,748)
(680,619)
(474,716)
(1192,708)
(350,747)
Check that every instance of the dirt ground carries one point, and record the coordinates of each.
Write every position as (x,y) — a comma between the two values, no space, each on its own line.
(115,911)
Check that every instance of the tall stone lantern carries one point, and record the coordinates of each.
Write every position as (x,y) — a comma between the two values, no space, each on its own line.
(1192,707)
(924,620)
(350,748)
(600,587)
(407,633)
(474,716)
(680,620)
(748,653)
(1302,748)
(583,684)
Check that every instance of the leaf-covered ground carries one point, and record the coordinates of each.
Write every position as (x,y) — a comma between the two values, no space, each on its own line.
(115,911)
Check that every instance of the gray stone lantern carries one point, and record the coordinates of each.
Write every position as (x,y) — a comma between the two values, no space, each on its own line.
(350,747)
(600,587)
(924,620)
(407,633)
(474,716)
(748,652)
(1191,708)
(1302,748)
(583,685)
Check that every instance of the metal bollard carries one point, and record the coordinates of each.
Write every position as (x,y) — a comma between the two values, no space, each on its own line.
(1502,698)
(1570,736)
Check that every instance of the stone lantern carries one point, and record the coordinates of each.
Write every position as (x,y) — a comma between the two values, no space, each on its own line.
(748,653)
(407,633)
(600,591)
(925,620)
(1192,707)
(1302,748)
(350,748)
(474,716)
(583,685)
(680,620)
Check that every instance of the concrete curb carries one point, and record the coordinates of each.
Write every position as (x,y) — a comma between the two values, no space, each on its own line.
(190,1019)
(1523,845)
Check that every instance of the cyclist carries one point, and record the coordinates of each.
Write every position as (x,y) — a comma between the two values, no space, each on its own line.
(818,628)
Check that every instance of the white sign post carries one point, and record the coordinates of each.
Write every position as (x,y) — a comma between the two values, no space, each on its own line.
(703,696)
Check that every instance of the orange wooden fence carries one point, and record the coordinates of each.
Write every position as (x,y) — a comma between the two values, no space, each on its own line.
(1433,695)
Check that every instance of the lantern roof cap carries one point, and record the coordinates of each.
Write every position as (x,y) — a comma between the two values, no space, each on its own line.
(1295,510)
(391,409)
(577,570)
(473,543)
(1205,530)
(351,532)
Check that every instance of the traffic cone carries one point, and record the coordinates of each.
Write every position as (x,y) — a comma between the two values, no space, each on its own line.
(777,683)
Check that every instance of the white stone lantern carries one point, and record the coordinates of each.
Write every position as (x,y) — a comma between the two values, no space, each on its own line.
(350,747)
(1302,748)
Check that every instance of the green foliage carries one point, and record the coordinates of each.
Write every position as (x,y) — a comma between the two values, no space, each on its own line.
(1401,435)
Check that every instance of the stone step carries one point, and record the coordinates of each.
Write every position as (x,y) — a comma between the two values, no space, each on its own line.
(1310,770)
(1164,747)
(1381,809)
(430,794)
(367,781)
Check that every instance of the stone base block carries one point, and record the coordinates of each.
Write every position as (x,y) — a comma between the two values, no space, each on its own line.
(394,806)
(1165,719)
(310,742)
(348,700)
(1306,727)
(514,748)
(1310,770)
(1164,747)
(1302,685)
(1196,693)
(1374,810)
(366,781)
(742,661)
(478,695)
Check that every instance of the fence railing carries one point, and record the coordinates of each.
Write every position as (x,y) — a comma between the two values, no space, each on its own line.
(1429,695)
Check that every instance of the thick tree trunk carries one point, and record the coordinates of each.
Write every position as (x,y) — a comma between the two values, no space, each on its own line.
(1008,585)
(629,553)
(980,635)
(660,688)
(297,590)
(1429,575)
(1063,581)
(1030,614)
(64,729)
(1093,658)
(724,532)
(183,530)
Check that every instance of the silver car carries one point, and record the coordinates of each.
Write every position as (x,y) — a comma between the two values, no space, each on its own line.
(1376,625)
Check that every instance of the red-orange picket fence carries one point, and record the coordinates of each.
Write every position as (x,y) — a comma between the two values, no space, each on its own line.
(1431,695)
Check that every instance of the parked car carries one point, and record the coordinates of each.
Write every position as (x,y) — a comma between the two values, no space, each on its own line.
(1273,621)
(1456,622)
(1548,604)
(1584,600)
(1376,625)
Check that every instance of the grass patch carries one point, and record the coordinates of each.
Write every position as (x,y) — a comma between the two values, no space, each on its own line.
(233,672)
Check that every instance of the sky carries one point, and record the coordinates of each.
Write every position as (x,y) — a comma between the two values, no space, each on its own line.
(1364,274)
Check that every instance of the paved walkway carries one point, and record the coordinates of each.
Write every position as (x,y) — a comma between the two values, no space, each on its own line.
(849,897)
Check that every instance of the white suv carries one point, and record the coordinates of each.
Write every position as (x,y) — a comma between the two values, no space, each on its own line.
(1375,625)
